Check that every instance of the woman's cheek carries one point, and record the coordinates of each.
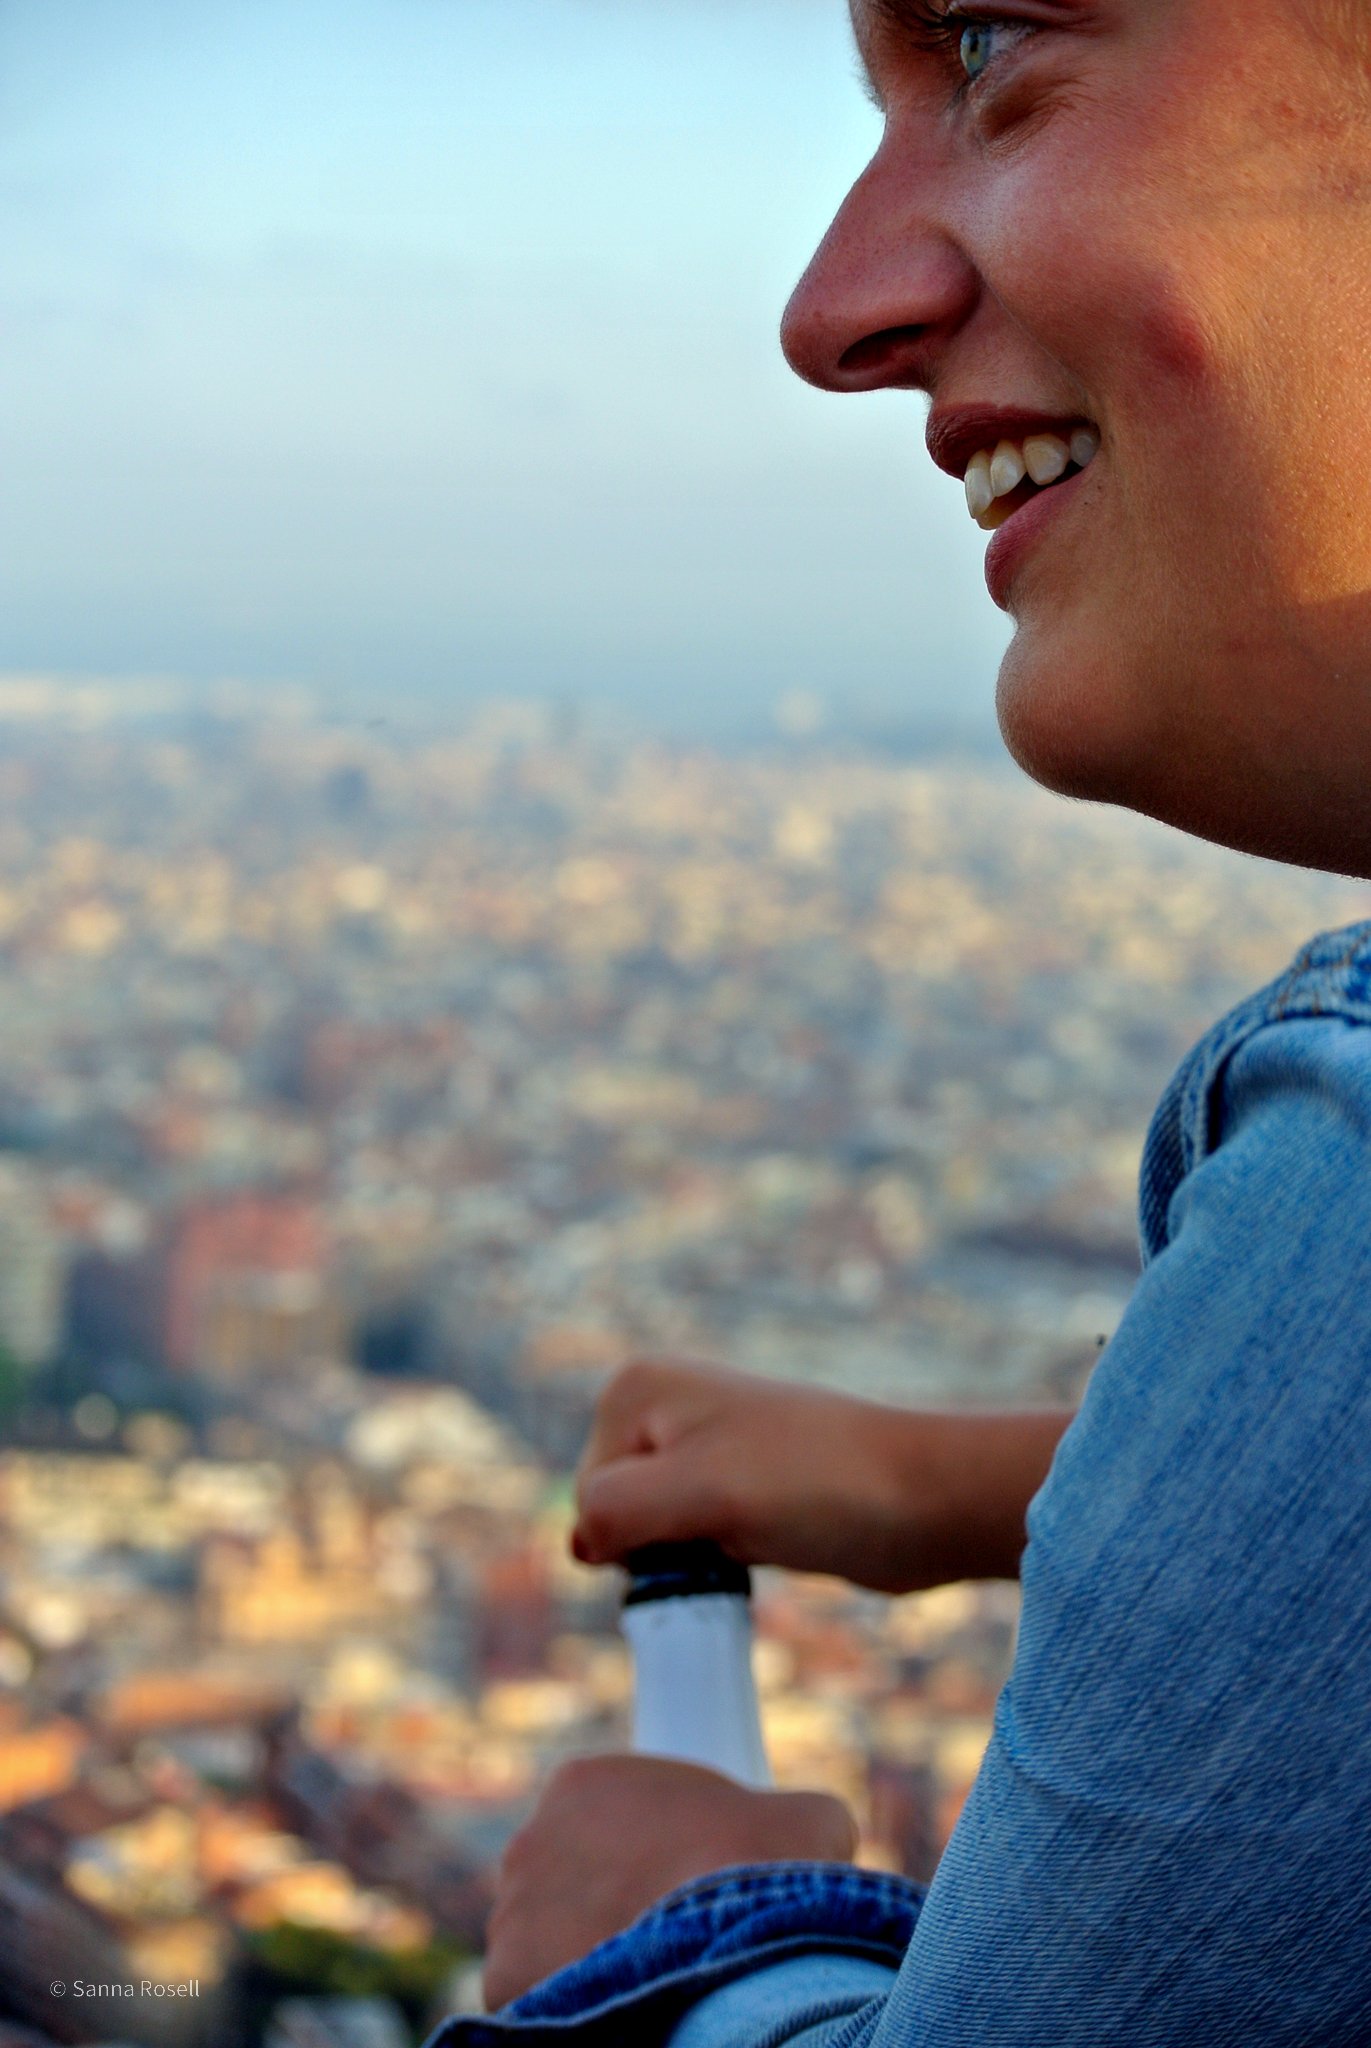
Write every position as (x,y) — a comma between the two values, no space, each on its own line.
(1114,288)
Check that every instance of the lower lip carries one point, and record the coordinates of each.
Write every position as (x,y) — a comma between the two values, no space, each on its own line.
(1021,532)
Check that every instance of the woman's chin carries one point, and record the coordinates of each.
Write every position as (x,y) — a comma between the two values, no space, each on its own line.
(1067,715)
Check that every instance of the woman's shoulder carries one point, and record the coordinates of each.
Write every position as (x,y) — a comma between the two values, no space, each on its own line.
(1304,1028)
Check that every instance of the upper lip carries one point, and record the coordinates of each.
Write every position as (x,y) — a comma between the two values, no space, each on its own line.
(956,433)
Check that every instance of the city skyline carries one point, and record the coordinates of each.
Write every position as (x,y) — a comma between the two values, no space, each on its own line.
(367,1096)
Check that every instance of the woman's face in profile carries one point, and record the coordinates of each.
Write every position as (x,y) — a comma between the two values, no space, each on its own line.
(1127,242)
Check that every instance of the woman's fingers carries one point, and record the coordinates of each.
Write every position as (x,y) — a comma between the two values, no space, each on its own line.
(646,1405)
(620,1422)
(669,1497)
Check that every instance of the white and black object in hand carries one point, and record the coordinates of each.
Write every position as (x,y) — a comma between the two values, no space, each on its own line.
(688,1619)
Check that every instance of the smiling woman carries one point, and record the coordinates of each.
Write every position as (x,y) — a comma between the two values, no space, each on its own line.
(1123,214)
(1125,248)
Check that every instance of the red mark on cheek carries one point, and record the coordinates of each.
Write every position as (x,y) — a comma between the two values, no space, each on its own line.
(1173,338)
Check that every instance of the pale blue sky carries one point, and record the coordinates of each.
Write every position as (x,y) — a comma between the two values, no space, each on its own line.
(430,346)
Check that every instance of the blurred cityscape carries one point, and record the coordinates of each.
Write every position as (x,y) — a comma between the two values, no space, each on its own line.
(367,1094)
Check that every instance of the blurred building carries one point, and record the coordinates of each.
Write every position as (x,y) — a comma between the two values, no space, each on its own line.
(37,1759)
(516,1617)
(245,1287)
(235,1287)
(33,1267)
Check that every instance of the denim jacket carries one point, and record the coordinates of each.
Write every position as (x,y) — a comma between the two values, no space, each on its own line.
(1169,1840)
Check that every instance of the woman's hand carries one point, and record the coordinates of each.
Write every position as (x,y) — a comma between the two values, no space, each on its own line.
(612,1834)
(891,1498)
(776,1474)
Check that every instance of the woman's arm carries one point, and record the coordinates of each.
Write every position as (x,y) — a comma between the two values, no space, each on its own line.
(974,1475)
(893,1498)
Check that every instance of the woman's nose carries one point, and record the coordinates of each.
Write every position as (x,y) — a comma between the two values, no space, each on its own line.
(885,291)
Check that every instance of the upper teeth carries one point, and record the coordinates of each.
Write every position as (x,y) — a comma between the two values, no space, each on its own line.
(995,472)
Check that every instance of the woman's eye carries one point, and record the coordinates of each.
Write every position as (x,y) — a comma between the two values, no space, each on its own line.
(983,43)
(976,49)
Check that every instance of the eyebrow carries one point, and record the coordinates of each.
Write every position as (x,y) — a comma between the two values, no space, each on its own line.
(906,18)
(909,15)
(861,14)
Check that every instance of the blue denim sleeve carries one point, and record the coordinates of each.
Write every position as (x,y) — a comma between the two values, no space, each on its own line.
(730,1928)
(792,2001)
(1168,1839)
